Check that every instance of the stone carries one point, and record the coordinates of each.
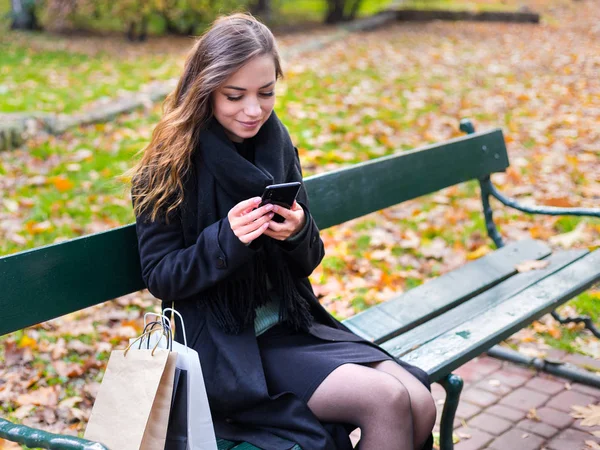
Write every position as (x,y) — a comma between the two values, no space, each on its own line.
(467,410)
(569,440)
(472,439)
(554,417)
(545,386)
(540,428)
(479,397)
(524,399)
(589,390)
(566,399)
(494,386)
(510,378)
(490,423)
(506,412)
(518,440)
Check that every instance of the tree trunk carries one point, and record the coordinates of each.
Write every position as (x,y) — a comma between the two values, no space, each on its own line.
(335,11)
(353,10)
(263,9)
(23,15)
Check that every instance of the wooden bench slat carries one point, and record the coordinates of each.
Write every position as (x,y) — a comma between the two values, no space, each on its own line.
(467,311)
(345,194)
(53,280)
(440,294)
(466,341)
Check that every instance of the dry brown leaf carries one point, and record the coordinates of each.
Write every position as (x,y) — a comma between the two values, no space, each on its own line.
(533,415)
(67,370)
(590,414)
(561,202)
(533,264)
(46,396)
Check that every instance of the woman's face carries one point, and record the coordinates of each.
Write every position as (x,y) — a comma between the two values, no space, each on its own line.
(246,99)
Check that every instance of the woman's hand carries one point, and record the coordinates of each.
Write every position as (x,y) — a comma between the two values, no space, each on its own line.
(248,223)
(293,223)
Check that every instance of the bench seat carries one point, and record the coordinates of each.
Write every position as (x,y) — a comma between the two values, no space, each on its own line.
(448,321)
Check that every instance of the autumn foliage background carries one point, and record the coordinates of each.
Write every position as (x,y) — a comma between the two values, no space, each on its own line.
(370,94)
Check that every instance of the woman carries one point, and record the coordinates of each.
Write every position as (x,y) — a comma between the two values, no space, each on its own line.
(278,368)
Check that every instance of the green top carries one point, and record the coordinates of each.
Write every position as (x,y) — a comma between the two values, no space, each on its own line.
(267,316)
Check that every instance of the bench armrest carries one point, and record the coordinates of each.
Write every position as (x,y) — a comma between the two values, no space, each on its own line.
(33,438)
(488,188)
(548,210)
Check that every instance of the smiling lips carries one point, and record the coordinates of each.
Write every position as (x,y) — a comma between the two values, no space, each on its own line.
(250,124)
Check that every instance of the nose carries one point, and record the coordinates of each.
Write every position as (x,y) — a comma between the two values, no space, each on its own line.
(252,108)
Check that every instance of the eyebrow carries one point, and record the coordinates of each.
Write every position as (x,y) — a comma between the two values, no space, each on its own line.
(242,89)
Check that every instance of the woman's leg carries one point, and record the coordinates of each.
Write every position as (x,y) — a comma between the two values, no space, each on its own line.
(370,399)
(421,401)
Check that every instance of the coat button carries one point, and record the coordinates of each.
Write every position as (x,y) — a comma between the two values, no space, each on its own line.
(221,264)
(228,420)
(314,239)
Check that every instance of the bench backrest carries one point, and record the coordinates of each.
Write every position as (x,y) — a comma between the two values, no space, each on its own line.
(47,282)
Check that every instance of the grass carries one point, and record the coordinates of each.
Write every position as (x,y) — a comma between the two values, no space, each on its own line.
(63,82)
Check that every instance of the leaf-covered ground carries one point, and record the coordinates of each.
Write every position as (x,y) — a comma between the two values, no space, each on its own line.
(369,95)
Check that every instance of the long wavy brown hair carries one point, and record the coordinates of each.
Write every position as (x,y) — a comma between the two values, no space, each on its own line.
(229,43)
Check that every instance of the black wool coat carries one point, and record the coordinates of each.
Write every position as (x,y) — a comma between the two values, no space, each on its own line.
(195,250)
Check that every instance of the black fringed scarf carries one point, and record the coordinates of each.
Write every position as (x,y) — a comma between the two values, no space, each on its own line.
(233,301)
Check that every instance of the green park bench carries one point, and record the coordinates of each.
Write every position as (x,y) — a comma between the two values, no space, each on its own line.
(437,326)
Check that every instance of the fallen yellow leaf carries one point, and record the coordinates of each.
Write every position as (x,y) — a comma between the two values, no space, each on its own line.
(62,184)
(26,341)
(481,251)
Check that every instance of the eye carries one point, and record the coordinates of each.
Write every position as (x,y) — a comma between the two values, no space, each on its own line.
(234,99)
(267,94)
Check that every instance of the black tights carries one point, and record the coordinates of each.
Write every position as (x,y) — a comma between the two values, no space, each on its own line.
(393,410)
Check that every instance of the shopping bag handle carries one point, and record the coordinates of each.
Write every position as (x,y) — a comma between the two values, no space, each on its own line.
(141,336)
(170,324)
(165,318)
(165,328)
(181,320)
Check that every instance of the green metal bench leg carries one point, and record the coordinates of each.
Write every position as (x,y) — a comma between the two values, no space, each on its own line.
(33,438)
(453,385)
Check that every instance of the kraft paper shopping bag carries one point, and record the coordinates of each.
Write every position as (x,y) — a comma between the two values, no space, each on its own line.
(131,411)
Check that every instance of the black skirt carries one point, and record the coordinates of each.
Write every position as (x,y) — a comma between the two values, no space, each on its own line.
(298,362)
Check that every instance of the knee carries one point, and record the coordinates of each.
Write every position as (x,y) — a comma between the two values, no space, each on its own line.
(393,399)
(424,415)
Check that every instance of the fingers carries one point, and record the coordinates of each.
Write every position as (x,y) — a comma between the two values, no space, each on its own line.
(254,234)
(254,225)
(245,206)
(248,216)
(284,212)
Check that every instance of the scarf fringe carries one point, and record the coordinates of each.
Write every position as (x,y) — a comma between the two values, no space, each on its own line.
(233,303)
(294,310)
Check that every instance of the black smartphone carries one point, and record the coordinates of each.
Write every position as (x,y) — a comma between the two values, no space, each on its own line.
(282,194)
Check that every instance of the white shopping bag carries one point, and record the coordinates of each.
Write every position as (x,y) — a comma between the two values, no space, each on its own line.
(201,434)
